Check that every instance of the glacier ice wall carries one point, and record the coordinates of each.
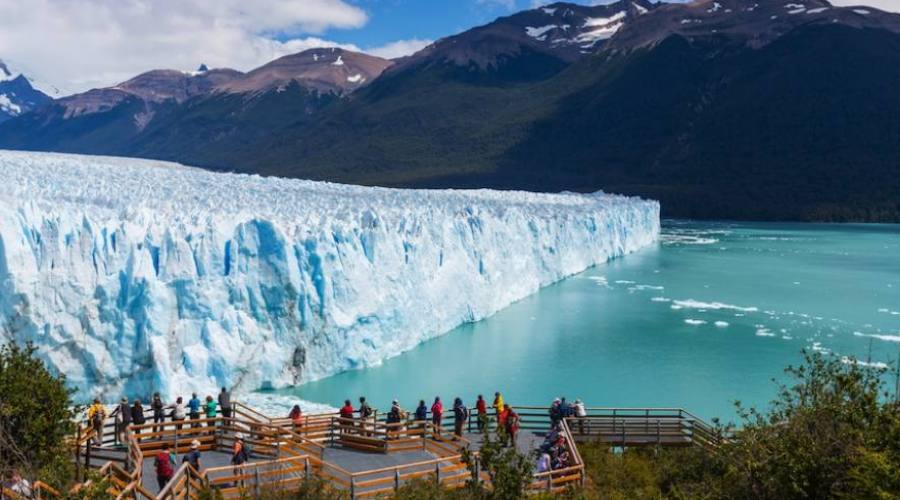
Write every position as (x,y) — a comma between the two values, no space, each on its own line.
(134,275)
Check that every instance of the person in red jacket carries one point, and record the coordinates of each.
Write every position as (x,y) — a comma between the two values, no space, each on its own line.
(512,424)
(437,412)
(346,412)
(481,407)
(163,466)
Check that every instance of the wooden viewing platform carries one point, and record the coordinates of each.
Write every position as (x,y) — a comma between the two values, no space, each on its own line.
(365,458)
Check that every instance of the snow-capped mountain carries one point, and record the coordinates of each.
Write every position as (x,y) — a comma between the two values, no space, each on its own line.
(562,31)
(755,22)
(328,70)
(154,276)
(17,95)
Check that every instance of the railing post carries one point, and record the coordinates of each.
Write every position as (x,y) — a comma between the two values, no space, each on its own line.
(352,487)
(396,479)
(550,481)
(78,455)
(256,480)
(437,472)
(306,471)
(477,471)
(176,437)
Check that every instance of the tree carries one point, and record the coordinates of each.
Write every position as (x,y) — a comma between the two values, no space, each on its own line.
(36,417)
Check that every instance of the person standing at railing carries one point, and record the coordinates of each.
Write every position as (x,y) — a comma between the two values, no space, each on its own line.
(421,416)
(346,414)
(498,404)
(239,455)
(365,411)
(178,413)
(296,416)
(210,410)
(137,416)
(555,412)
(511,424)
(96,415)
(481,407)
(437,413)
(580,414)
(194,406)
(394,419)
(460,415)
(124,421)
(225,403)
(164,467)
(159,411)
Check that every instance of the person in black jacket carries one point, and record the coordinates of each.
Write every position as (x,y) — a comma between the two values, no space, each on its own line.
(159,411)
(137,416)
(124,421)
(460,416)
(225,403)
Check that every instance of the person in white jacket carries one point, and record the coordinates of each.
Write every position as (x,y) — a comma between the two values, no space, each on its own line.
(580,414)
(178,412)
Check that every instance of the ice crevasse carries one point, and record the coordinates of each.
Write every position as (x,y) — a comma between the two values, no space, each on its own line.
(133,276)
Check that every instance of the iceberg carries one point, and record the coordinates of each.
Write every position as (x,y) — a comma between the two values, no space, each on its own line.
(133,276)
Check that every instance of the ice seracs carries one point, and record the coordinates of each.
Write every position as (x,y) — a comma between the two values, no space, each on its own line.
(134,276)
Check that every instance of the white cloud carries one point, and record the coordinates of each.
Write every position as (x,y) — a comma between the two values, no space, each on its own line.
(506,4)
(93,43)
(399,48)
(886,5)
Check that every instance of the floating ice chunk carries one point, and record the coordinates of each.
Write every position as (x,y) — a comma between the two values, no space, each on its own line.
(695,322)
(722,324)
(696,304)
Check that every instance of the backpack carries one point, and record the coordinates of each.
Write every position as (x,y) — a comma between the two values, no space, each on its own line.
(463,413)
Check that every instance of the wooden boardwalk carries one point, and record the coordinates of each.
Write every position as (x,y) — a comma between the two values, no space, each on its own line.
(363,457)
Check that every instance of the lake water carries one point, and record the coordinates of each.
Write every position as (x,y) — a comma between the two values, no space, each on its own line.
(709,316)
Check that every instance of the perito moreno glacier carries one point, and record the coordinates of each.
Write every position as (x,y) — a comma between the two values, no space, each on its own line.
(134,276)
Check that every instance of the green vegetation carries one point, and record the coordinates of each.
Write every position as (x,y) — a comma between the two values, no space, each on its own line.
(36,415)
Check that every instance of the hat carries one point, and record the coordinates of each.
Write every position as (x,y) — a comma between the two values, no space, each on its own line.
(124,400)
(557,400)
(395,402)
(195,444)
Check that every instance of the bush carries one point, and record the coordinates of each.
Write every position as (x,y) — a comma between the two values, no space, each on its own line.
(36,418)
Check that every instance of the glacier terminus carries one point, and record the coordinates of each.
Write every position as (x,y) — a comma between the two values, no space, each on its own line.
(133,276)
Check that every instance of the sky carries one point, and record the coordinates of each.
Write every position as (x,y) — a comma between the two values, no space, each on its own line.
(76,45)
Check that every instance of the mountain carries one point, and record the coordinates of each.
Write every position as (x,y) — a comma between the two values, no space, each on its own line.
(128,118)
(720,109)
(327,70)
(17,96)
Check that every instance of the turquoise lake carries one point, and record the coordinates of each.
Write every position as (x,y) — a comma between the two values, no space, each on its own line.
(710,315)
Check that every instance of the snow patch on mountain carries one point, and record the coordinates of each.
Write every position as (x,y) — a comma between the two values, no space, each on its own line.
(134,276)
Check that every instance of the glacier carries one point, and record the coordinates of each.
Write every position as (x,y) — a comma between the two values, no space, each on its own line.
(133,276)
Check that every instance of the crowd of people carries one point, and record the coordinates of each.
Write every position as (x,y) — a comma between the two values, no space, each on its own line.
(134,414)
(554,453)
(505,416)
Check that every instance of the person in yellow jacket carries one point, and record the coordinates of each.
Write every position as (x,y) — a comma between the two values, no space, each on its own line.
(498,403)
(96,414)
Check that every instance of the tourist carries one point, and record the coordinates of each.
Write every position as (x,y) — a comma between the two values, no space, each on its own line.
(239,454)
(194,407)
(346,414)
(210,410)
(481,406)
(555,412)
(498,404)
(296,416)
(178,413)
(437,413)
(421,416)
(19,485)
(163,466)
(543,464)
(137,416)
(124,421)
(580,414)
(365,411)
(512,424)
(158,408)
(225,403)
(394,419)
(460,415)
(193,456)
(96,415)
(565,409)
